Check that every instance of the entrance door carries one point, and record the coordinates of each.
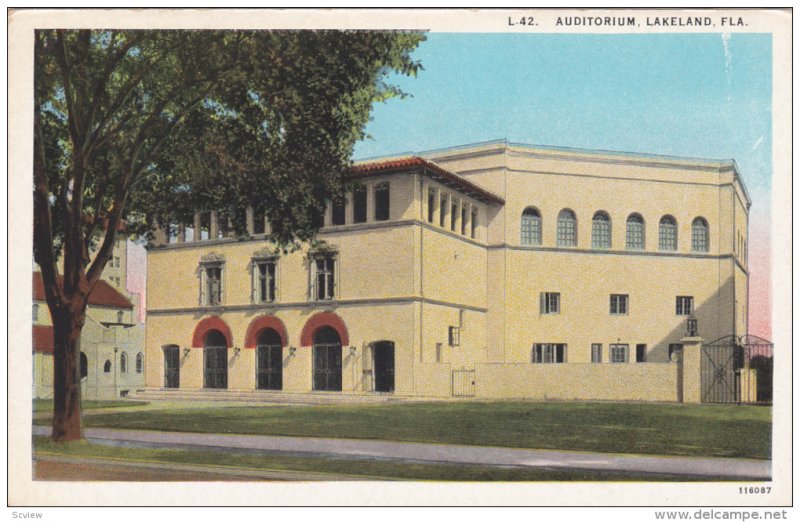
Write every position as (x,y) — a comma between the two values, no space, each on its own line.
(172,367)
(215,361)
(384,366)
(269,361)
(327,360)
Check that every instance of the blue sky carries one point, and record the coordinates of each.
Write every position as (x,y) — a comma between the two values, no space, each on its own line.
(694,95)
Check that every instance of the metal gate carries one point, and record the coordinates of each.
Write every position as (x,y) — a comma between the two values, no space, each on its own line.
(737,370)
(463,383)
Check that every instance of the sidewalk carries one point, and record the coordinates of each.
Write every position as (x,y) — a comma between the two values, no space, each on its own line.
(437,453)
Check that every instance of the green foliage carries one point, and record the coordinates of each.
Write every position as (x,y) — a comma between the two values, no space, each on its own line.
(157,124)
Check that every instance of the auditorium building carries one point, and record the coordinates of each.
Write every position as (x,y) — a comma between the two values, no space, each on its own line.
(493,270)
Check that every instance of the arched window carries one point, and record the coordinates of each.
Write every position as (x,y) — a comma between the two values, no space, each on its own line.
(699,235)
(667,234)
(84,366)
(531,228)
(601,230)
(567,233)
(107,366)
(634,234)
(119,317)
(123,363)
(139,362)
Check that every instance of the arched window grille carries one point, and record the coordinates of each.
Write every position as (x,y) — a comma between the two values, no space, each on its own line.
(567,231)
(531,227)
(601,230)
(667,234)
(634,233)
(699,235)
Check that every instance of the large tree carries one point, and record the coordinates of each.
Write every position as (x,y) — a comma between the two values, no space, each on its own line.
(140,127)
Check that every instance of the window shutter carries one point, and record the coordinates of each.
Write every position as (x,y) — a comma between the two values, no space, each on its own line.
(254,282)
(202,285)
(541,303)
(312,277)
(221,285)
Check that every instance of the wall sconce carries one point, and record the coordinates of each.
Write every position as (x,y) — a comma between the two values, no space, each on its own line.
(236,351)
(292,350)
(352,350)
(186,352)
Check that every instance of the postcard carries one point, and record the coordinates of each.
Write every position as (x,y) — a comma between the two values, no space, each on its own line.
(465,257)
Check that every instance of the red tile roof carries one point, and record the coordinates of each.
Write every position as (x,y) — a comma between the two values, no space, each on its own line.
(436,172)
(103,294)
(43,339)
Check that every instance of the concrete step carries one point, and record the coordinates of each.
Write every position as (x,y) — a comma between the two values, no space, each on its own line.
(262,396)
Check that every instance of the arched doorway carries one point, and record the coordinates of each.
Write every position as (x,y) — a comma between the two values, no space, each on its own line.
(383,361)
(269,360)
(172,366)
(215,360)
(327,360)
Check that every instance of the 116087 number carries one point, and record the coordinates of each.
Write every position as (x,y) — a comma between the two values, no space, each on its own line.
(754,490)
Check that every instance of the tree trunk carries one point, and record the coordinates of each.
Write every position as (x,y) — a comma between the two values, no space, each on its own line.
(67,326)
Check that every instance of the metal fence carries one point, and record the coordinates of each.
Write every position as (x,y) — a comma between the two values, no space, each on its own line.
(737,370)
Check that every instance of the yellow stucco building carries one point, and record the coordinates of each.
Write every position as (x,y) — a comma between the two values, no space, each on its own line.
(493,270)
(112,339)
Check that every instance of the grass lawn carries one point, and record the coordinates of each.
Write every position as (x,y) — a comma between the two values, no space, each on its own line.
(368,469)
(47,404)
(665,429)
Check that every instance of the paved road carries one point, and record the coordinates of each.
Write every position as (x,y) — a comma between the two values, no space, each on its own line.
(438,453)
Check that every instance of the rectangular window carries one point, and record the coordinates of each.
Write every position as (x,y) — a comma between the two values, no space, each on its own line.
(259,222)
(431,204)
(264,281)
(116,263)
(550,303)
(453,216)
(684,305)
(618,353)
(474,224)
(213,285)
(360,204)
(597,353)
(35,312)
(205,226)
(463,221)
(439,355)
(337,212)
(454,336)
(382,202)
(641,353)
(619,304)
(324,278)
(545,353)
(442,210)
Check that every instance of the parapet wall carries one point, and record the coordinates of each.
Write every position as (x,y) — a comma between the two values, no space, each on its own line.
(576,381)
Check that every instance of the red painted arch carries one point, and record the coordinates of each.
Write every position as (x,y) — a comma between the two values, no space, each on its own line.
(319,320)
(208,324)
(260,323)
